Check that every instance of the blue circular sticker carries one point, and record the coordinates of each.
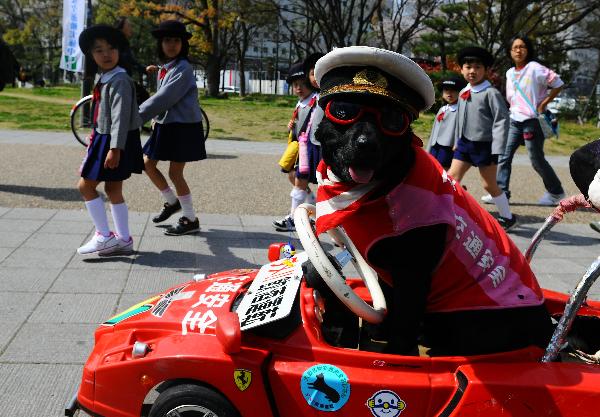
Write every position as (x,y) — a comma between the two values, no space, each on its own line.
(325,387)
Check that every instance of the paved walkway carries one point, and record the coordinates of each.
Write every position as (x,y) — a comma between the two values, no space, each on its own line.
(53,299)
(212,146)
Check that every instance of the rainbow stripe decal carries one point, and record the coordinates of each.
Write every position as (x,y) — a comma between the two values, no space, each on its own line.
(132,311)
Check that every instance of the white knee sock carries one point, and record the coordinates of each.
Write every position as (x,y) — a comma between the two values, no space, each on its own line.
(298,196)
(503,207)
(169,196)
(120,216)
(98,214)
(187,207)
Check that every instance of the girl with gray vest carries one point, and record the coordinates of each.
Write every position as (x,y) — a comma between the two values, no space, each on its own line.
(178,134)
(115,151)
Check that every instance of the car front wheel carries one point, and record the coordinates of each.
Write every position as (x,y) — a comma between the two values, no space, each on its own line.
(189,400)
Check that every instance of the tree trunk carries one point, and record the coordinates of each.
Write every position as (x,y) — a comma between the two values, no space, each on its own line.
(242,69)
(212,76)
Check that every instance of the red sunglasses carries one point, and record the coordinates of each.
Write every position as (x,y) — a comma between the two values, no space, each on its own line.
(391,121)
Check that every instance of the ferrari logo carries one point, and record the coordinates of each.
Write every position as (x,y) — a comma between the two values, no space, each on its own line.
(242,378)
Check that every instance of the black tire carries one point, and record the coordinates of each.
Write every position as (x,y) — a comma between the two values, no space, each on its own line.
(205,123)
(81,120)
(189,400)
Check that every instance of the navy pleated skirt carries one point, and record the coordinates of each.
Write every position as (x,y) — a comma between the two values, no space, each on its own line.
(177,142)
(131,162)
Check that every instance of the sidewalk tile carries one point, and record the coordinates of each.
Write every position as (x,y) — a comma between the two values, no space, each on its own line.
(219,220)
(7,331)
(37,389)
(8,225)
(74,308)
(73,215)
(127,300)
(95,263)
(46,258)
(58,343)
(4,252)
(13,239)
(40,240)
(30,279)
(189,243)
(264,221)
(30,213)
(157,280)
(86,281)
(4,210)
(66,227)
(16,306)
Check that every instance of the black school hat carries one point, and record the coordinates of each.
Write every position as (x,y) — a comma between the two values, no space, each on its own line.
(172,28)
(584,163)
(477,52)
(374,72)
(295,72)
(112,35)
(311,60)
(454,82)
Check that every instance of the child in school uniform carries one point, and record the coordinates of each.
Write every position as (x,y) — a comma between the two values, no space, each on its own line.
(442,139)
(178,134)
(481,128)
(115,151)
(313,145)
(298,124)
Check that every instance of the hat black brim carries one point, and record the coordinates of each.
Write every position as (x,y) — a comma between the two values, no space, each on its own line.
(112,35)
(159,34)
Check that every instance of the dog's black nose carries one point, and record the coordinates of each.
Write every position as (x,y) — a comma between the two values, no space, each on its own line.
(364,144)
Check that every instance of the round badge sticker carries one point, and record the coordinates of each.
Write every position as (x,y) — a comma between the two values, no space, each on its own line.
(325,387)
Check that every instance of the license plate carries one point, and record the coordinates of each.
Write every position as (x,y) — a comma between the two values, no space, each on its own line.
(272,293)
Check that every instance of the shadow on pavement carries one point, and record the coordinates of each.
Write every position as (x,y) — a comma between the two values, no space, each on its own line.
(214,156)
(557,238)
(55,194)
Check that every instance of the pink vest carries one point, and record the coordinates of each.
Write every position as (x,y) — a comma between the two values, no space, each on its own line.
(481,267)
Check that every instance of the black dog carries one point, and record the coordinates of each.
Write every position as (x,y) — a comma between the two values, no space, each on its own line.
(363,148)
(361,152)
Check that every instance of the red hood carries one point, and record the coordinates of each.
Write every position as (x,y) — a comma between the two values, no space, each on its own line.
(190,307)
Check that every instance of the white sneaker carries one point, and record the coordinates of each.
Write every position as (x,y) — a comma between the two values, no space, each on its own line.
(549,199)
(122,247)
(98,243)
(487,199)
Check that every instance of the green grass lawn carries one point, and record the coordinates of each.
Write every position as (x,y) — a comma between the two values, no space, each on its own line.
(256,117)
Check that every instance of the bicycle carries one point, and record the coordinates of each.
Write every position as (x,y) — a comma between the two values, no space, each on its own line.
(81,121)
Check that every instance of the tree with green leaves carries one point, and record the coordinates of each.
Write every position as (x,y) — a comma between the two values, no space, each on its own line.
(443,34)
(32,29)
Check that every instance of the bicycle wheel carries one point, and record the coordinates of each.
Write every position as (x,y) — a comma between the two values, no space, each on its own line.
(81,120)
(205,123)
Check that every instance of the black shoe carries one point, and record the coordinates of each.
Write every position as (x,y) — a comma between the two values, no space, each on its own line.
(285,225)
(167,211)
(595,226)
(183,227)
(507,224)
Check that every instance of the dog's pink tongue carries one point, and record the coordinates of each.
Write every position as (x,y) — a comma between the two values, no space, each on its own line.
(361,176)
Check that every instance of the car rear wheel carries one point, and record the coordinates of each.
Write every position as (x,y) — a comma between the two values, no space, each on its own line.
(189,400)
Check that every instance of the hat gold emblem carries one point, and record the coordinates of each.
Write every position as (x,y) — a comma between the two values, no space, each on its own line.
(242,378)
(370,77)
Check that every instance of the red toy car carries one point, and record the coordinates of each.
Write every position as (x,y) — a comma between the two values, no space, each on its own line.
(260,343)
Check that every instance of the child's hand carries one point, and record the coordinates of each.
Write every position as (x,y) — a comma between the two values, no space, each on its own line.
(291,124)
(112,158)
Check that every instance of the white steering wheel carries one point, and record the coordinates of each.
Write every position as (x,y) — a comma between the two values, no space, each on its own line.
(335,280)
